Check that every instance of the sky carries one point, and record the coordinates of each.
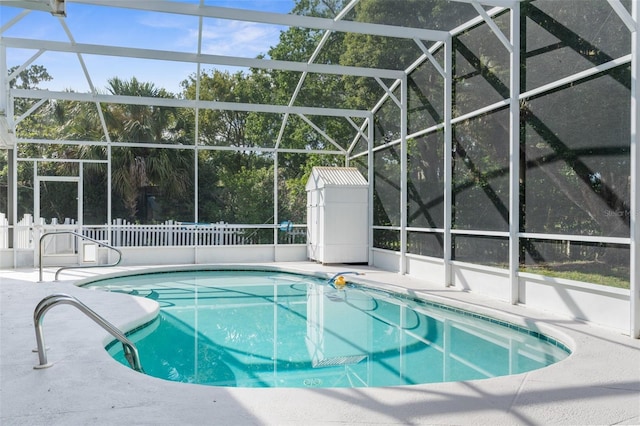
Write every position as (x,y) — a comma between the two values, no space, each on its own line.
(132,28)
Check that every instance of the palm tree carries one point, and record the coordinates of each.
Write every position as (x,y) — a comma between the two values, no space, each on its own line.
(136,170)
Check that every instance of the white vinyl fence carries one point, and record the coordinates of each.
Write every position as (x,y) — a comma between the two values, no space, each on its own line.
(24,233)
(4,231)
(171,233)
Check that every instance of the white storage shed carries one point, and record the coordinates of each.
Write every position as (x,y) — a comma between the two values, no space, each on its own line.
(337,209)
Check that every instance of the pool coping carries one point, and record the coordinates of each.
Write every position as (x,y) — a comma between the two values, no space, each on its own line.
(599,383)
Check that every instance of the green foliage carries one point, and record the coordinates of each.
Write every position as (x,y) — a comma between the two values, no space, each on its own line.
(220,127)
(235,187)
(30,77)
(589,272)
(41,123)
(574,166)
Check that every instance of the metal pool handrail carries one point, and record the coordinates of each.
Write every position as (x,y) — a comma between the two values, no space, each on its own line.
(130,351)
(77,266)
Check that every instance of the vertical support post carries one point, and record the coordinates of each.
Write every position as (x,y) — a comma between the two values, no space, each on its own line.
(196,124)
(110,236)
(275,198)
(196,182)
(36,194)
(38,231)
(6,104)
(634,269)
(12,201)
(403,175)
(196,152)
(514,154)
(370,179)
(80,221)
(448,149)
(4,86)
(196,137)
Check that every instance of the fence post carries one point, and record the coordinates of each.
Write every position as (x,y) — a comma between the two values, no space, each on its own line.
(116,233)
(4,232)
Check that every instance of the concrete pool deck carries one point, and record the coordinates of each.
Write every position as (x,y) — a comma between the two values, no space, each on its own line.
(598,384)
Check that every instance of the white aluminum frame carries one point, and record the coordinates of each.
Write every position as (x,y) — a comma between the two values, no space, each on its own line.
(635,176)
(443,40)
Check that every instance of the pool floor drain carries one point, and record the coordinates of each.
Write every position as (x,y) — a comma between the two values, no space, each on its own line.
(312,382)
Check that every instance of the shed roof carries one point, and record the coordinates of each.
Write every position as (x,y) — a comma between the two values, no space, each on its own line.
(335,176)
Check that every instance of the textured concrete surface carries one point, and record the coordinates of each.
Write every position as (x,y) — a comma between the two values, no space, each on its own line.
(598,384)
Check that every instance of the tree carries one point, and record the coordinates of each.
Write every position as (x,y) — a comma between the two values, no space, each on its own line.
(141,174)
(40,123)
(229,177)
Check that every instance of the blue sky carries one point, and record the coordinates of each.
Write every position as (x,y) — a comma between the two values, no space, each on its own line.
(131,28)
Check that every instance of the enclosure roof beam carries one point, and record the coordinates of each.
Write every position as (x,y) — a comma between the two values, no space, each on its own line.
(164,55)
(161,146)
(496,3)
(312,59)
(622,12)
(494,27)
(14,20)
(24,66)
(186,103)
(55,7)
(321,132)
(288,20)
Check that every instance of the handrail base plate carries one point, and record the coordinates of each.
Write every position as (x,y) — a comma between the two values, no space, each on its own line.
(42,366)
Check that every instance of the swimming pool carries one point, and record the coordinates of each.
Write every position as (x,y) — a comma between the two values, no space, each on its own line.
(275,329)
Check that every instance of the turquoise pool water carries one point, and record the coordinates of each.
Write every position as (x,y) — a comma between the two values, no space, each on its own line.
(275,329)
